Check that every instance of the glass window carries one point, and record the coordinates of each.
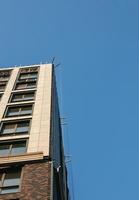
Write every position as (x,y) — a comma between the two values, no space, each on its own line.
(22,127)
(28,70)
(12,148)
(18,148)
(23,96)
(4,75)
(10,180)
(2,86)
(8,128)
(16,97)
(28,76)
(4,78)
(20,86)
(23,76)
(29,96)
(4,149)
(26,110)
(13,111)
(15,127)
(7,190)
(33,75)
(31,84)
(19,111)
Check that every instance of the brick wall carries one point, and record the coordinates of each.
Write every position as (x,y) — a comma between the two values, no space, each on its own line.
(35,183)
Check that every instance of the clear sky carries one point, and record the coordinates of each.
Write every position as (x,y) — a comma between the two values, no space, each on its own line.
(97,44)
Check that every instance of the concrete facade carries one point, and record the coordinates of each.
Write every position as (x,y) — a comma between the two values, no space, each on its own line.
(40,127)
(30,131)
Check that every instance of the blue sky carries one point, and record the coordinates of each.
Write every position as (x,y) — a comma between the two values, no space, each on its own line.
(97,44)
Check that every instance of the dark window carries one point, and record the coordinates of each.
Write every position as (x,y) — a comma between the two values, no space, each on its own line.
(23,96)
(12,148)
(20,127)
(4,78)
(4,75)
(10,180)
(30,69)
(2,86)
(13,111)
(25,85)
(25,76)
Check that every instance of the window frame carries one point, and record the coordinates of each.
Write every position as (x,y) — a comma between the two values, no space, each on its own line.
(8,171)
(19,111)
(29,69)
(11,146)
(23,94)
(16,123)
(26,87)
(5,84)
(28,76)
(4,79)
(5,75)
(26,70)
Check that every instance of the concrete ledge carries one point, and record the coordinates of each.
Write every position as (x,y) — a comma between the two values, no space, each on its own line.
(21,158)
(20,102)
(13,137)
(16,118)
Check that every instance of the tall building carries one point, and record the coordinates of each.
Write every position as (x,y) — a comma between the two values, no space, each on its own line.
(32,165)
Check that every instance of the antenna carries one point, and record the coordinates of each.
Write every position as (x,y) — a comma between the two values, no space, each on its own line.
(57,65)
(53,59)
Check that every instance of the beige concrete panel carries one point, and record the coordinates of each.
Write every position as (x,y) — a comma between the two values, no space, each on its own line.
(40,129)
(45,150)
(21,102)
(13,137)
(27,90)
(31,149)
(34,138)
(16,118)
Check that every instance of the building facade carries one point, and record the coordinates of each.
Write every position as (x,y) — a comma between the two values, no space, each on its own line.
(32,165)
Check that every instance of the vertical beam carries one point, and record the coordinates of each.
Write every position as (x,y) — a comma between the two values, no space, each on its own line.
(40,127)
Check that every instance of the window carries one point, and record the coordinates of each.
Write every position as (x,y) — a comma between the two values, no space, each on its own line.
(10,180)
(30,69)
(12,148)
(25,85)
(23,96)
(4,75)
(2,86)
(25,76)
(13,111)
(20,127)
(4,78)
